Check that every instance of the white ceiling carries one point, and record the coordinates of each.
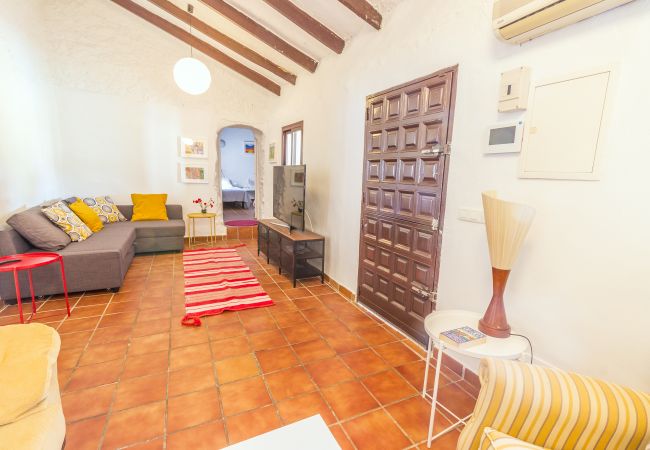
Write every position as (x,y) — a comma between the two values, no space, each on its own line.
(330,13)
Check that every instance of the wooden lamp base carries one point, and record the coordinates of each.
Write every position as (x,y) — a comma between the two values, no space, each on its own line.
(494,322)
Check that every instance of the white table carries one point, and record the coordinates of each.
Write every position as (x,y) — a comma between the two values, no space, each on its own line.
(311,433)
(512,347)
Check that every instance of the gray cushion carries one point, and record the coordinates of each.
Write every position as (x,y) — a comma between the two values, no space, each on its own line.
(160,228)
(109,239)
(152,228)
(38,230)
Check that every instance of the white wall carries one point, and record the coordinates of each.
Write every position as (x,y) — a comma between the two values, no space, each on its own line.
(236,165)
(26,141)
(579,289)
(115,112)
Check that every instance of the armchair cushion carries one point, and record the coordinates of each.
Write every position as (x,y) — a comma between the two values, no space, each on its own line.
(496,440)
(27,357)
(31,415)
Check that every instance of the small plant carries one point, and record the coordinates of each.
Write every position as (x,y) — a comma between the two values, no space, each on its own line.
(204,204)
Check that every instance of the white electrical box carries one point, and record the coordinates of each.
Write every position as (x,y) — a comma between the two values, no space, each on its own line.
(513,92)
(504,137)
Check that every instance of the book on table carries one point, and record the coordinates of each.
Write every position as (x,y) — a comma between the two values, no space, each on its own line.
(462,337)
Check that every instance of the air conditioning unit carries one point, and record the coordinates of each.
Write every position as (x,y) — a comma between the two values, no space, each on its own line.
(518,21)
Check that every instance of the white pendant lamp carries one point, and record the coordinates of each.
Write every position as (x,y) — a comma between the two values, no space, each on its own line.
(190,74)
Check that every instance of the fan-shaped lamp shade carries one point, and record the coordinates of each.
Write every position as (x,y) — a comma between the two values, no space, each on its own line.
(192,76)
(507,224)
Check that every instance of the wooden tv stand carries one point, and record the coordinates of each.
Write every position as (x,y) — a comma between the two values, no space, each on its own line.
(300,254)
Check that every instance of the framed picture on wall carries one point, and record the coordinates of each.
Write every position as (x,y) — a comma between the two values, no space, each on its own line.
(249,147)
(194,173)
(274,155)
(193,147)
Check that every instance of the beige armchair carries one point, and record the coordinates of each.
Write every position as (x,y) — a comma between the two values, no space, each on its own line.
(31,415)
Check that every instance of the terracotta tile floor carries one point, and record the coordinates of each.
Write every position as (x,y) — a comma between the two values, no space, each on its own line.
(132,377)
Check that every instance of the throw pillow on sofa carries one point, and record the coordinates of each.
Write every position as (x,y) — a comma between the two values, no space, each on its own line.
(105,208)
(87,215)
(68,221)
(149,207)
(37,229)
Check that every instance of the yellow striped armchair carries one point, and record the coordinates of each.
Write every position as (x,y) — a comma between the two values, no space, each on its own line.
(552,409)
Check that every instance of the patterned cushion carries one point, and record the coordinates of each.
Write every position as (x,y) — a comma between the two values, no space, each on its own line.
(105,208)
(64,218)
(495,440)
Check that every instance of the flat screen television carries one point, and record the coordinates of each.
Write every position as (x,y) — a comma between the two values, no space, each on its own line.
(289,195)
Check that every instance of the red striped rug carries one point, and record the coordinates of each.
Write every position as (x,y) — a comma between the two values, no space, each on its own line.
(218,280)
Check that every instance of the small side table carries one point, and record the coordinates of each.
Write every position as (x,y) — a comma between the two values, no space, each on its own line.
(512,347)
(191,225)
(29,261)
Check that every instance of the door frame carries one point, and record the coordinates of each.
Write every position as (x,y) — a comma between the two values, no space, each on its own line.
(443,194)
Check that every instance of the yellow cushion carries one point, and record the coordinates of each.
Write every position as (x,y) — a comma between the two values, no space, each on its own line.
(87,215)
(149,207)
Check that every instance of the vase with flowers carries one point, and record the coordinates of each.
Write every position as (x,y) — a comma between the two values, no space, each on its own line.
(204,204)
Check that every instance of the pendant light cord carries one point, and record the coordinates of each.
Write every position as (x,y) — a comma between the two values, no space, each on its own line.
(190,9)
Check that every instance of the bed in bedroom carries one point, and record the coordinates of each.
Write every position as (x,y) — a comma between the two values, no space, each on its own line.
(234,194)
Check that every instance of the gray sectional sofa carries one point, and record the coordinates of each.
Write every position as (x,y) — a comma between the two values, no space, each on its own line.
(99,262)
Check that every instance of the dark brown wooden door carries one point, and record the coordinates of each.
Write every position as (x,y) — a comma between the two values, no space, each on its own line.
(408,131)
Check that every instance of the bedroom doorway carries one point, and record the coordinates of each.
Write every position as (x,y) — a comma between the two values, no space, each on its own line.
(238,177)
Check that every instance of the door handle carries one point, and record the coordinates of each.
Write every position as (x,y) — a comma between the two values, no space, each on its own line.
(425,293)
(419,291)
(436,149)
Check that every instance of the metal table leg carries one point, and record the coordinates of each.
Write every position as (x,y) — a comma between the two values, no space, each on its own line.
(65,286)
(426,368)
(31,290)
(18,299)
(434,395)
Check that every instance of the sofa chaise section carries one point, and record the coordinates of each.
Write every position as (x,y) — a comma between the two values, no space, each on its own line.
(99,262)
(157,235)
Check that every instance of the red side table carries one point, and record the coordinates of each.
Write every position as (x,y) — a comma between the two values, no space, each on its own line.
(29,261)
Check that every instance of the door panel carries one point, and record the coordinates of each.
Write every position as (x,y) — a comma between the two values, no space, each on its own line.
(404,191)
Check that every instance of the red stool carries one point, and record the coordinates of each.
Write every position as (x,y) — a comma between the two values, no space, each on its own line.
(29,261)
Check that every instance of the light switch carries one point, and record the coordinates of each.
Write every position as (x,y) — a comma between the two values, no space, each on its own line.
(513,92)
(471,215)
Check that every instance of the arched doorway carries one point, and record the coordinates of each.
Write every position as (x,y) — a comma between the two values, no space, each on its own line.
(239,172)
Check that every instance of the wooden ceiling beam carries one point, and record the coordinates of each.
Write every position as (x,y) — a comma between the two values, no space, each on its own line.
(365,10)
(225,40)
(262,33)
(198,44)
(312,26)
